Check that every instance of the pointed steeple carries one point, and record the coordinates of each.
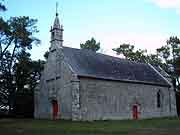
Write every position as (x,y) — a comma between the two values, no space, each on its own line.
(56,21)
(56,32)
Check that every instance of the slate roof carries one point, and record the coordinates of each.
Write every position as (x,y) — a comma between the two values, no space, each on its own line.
(86,63)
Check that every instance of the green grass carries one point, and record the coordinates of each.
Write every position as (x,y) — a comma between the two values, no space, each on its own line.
(162,126)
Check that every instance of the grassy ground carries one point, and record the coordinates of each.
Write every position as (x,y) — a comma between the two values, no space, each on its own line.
(163,126)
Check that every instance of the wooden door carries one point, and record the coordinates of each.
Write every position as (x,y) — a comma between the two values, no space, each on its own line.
(55,109)
(135,112)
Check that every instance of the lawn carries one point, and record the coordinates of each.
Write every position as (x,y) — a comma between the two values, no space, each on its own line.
(163,126)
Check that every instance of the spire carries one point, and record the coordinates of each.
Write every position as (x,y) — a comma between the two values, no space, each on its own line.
(56,32)
(56,21)
(56,8)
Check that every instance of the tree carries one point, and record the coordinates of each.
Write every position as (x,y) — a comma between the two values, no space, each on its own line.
(4,80)
(154,59)
(27,75)
(170,54)
(125,49)
(171,51)
(129,53)
(2,6)
(91,45)
(16,34)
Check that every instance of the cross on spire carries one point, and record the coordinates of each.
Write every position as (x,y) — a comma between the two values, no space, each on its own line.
(56,8)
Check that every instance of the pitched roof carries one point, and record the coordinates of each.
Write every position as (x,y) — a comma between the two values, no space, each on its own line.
(86,63)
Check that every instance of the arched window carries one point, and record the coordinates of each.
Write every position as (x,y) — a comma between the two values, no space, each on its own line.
(159,99)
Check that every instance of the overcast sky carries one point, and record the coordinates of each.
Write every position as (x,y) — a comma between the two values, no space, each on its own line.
(144,23)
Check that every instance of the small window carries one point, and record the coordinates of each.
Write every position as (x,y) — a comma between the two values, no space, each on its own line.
(159,99)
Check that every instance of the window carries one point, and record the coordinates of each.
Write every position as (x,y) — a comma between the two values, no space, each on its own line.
(159,99)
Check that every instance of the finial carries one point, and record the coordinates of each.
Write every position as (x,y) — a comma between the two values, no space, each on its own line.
(56,8)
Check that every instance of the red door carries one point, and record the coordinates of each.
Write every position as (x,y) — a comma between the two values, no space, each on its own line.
(55,109)
(135,112)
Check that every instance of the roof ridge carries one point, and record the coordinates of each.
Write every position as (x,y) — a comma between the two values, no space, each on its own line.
(106,55)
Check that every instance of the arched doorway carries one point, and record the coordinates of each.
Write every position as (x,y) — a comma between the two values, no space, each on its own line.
(55,109)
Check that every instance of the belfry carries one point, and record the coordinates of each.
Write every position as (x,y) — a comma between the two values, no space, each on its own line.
(56,33)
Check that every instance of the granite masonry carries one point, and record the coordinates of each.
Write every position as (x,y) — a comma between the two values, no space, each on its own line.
(83,85)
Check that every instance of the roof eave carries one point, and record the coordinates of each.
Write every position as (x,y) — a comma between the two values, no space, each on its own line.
(123,80)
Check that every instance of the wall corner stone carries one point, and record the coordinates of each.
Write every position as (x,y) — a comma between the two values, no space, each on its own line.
(75,82)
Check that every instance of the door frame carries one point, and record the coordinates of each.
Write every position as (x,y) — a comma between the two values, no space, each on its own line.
(55,109)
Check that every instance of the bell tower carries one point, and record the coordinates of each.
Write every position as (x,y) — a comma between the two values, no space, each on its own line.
(56,33)
(54,63)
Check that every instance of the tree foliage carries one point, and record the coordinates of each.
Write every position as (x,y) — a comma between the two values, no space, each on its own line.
(129,52)
(27,73)
(2,6)
(170,53)
(16,36)
(91,45)
(125,49)
(19,75)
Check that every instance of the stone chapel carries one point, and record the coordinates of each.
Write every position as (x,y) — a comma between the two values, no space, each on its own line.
(79,84)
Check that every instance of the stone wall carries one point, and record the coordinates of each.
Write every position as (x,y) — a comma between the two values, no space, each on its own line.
(55,84)
(47,90)
(103,100)
(65,92)
(42,104)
